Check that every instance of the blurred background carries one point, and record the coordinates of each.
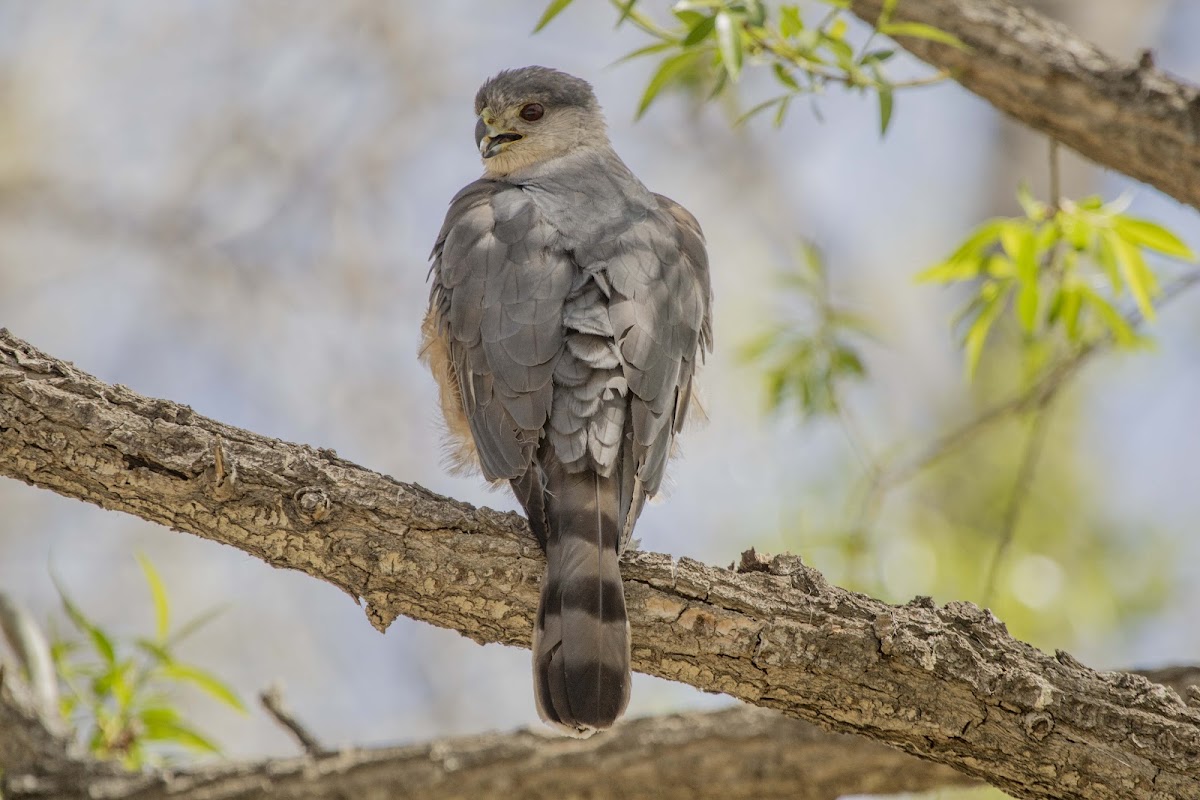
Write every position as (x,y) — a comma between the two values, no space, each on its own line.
(231,205)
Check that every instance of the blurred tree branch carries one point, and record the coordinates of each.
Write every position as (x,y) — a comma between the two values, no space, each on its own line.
(945,683)
(735,753)
(1132,118)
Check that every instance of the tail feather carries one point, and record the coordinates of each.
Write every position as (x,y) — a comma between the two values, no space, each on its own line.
(581,635)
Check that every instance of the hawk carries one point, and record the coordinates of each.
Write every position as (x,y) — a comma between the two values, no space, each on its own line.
(569,309)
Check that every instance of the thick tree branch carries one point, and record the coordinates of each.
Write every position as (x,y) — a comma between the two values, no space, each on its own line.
(946,683)
(1132,118)
(31,751)
(726,755)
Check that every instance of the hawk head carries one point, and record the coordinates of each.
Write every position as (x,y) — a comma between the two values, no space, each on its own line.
(533,114)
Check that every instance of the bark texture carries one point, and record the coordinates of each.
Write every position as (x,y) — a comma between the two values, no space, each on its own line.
(1133,118)
(946,683)
(739,753)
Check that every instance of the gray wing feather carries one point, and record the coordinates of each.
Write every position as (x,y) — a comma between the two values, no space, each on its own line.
(660,312)
(498,291)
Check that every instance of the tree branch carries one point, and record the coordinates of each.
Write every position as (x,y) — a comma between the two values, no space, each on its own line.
(738,753)
(945,683)
(1129,117)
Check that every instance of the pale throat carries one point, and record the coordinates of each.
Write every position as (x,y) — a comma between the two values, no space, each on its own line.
(522,161)
(511,160)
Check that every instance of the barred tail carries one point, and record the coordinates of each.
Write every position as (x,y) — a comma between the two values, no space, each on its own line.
(581,636)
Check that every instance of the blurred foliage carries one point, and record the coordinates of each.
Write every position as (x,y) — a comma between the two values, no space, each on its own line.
(806,366)
(710,41)
(1061,271)
(1046,289)
(120,695)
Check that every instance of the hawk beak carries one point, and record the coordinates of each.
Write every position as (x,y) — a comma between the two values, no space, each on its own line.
(489,139)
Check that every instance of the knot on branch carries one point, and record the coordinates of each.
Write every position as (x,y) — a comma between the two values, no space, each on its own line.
(1038,724)
(225,472)
(787,565)
(314,503)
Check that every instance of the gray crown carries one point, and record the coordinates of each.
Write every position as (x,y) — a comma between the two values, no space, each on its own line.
(549,87)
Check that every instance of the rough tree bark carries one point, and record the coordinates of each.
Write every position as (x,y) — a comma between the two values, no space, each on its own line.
(1133,118)
(735,754)
(724,755)
(945,683)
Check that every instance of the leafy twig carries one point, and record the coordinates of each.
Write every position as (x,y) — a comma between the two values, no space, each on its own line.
(1039,393)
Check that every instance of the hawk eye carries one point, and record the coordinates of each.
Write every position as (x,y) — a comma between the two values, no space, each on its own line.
(532,112)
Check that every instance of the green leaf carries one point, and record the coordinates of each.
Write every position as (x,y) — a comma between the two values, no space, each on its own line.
(763,106)
(157,715)
(781,111)
(1122,332)
(755,11)
(843,53)
(700,31)
(1034,209)
(1069,313)
(1027,305)
(783,76)
(919,30)
(978,332)
(1137,275)
(626,12)
(688,17)
(729,43)
(670,68)
(1152,236)
(162,608)
(111,681)
(192,626)
(1106,258)
(789,21)
(100,640)
(1078,229)
(1017,240)
(156,650)
(555,8)
(657,47)
(838,29)
(886,100)
(876,57)
(980,239)
(951,270)
(846,361)
(776,386)
(204,681)
(175,732)
(1048,235)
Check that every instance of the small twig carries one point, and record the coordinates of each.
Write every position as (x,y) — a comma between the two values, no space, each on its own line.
(870,489)
(856,439)
(272,701)
(1055,176)
(1016,501)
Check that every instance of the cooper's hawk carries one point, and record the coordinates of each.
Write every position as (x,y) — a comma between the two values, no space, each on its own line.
(568,311)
